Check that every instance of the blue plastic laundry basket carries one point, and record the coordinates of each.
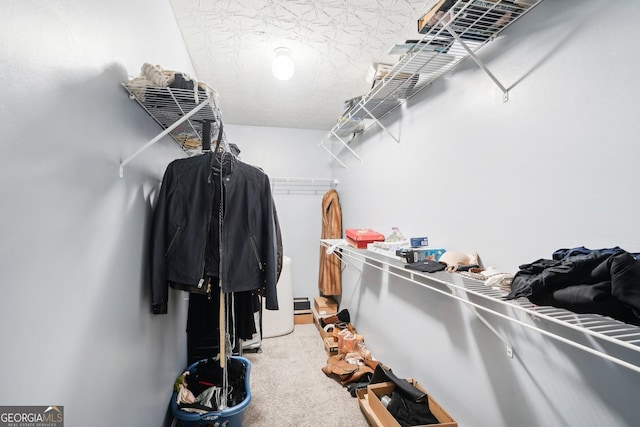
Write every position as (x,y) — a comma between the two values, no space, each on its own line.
(229,417)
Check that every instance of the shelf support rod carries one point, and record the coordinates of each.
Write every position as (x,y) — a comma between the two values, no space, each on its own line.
(332,250)
(345,145)
(179,105)
(160,136)
(505,91)
(397,140)
(332,155)
(480,317)
(333,133)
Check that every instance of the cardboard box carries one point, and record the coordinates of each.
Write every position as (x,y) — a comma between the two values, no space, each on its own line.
(325,306)
(376,391)
(330,346)
(363,402)
(361,237)
(301,303)
(323,334)
(301,317)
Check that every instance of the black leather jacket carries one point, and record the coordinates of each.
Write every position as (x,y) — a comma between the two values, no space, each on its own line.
(185,229)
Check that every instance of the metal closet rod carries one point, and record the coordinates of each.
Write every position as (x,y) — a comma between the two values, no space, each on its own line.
(306,181)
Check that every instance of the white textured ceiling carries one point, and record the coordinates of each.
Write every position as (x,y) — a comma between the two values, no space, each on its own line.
(332,42)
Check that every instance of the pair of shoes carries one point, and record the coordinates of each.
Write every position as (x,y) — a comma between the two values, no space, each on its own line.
(343,316)
(353,387)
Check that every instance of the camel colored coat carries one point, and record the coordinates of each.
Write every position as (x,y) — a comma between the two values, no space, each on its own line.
(330,277)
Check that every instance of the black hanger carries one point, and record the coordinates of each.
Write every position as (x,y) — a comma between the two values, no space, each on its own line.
(220,156)
(206,134)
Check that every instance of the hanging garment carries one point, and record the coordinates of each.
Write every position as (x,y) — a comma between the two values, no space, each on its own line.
(330,274)
(250,246)
(203,322)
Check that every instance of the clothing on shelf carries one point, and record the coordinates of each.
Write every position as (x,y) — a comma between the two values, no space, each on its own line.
(426,266)
(605,282)
(491,277)
(581,250)
(156,76)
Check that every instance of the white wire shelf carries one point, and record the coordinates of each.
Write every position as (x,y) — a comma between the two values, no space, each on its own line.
(607,338)
(457,35)
(183,114)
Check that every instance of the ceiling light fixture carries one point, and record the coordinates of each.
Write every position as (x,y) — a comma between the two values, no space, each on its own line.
(282,66)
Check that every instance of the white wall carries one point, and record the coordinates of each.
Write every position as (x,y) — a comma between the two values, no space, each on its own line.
(291,153)
(554,167)
(75,322)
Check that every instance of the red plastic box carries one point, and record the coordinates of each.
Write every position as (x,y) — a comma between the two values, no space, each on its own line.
(361,237)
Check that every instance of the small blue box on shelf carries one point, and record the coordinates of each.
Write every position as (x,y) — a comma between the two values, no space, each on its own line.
(420,254)
(417,242)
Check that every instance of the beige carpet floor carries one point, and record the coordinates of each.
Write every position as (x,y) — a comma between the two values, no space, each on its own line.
(288,387)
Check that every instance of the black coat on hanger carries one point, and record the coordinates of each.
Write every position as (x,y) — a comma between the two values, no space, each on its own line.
(250,243)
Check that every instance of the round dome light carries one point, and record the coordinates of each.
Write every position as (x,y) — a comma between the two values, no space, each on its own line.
(282,66)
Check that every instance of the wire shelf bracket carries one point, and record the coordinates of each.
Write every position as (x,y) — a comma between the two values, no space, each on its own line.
(375,119)
(332,133)
(161,135)
(180,112)
(474,57)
